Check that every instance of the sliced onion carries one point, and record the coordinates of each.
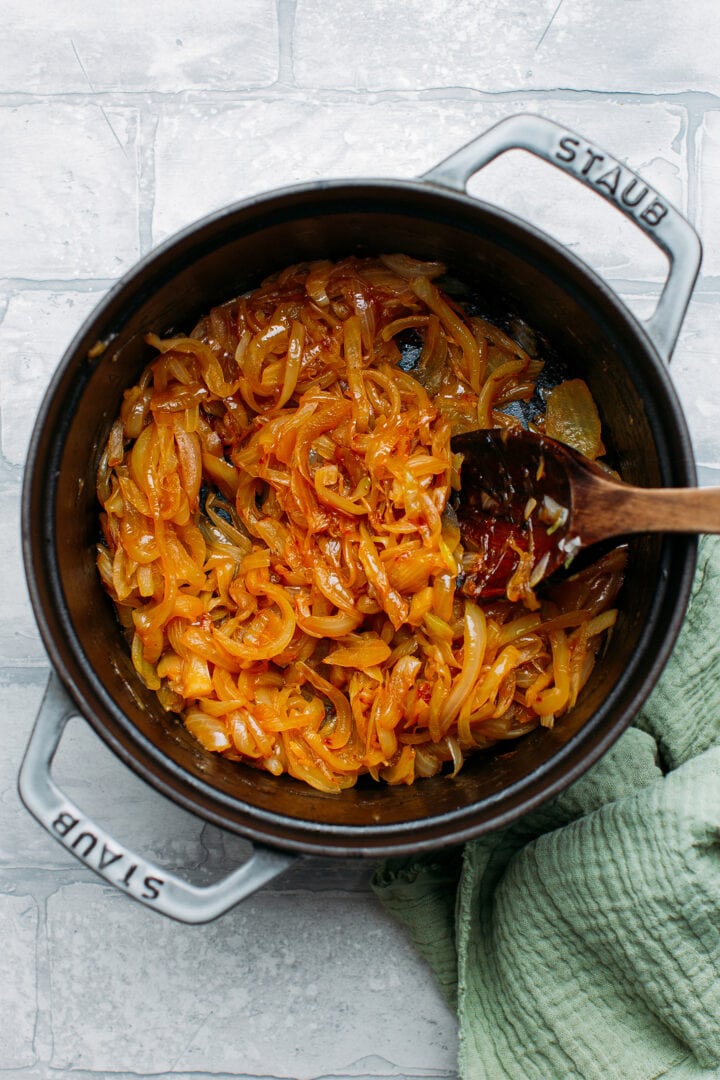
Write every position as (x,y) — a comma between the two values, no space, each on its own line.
(475,639)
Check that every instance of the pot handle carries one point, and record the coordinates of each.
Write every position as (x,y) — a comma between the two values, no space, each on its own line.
(152,885)
(610,178)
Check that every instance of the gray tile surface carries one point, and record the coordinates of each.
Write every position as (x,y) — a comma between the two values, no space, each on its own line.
(270,989)
(74,194)
(119,125)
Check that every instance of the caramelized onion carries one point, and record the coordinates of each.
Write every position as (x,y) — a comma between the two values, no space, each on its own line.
(280,542)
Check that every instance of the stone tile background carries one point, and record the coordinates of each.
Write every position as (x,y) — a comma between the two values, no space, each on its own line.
(119,124)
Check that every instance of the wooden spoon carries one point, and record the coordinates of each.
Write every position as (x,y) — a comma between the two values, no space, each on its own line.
(523,491)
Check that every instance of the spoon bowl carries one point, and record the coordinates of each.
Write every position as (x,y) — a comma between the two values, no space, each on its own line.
(525,494)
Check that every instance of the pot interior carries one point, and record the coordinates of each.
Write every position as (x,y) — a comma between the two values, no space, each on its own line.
(512,271)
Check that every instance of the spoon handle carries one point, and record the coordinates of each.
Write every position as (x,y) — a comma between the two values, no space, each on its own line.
(613,509)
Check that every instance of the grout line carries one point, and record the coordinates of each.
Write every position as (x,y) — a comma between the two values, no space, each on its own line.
(286,12)
(46,1071)
(147,130)
(78,285)
(24,675)
(695,100)
(695,121)
(43,1031)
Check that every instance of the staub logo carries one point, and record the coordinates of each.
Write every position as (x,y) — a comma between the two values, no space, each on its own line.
(612,180)
(115,865)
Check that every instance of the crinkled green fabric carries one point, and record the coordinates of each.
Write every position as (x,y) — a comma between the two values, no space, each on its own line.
(584,940)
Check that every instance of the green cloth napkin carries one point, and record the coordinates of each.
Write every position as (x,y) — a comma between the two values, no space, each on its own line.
(584,940)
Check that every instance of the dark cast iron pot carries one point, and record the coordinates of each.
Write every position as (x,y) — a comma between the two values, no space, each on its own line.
(517,269)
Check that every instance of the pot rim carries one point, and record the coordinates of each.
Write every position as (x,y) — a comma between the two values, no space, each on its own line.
(199,796)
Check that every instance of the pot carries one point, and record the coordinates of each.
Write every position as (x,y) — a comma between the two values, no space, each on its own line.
(516,269)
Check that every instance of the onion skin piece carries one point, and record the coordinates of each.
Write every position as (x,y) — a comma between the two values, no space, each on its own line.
(572,418)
